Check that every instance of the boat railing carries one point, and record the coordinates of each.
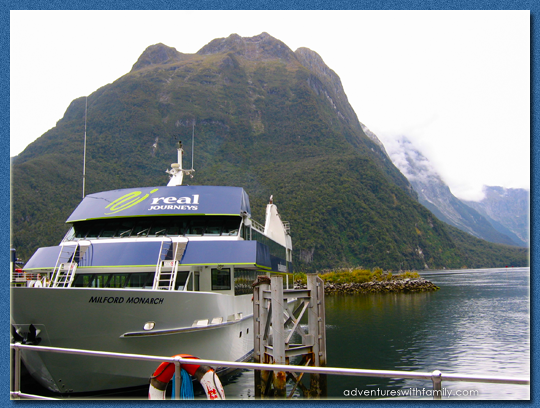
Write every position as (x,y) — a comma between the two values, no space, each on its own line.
(436,376)
(28,279)
(259,227)
(287,226)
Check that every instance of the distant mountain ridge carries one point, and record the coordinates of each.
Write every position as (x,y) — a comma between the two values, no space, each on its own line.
(268,119)
(473,218)
(508,211)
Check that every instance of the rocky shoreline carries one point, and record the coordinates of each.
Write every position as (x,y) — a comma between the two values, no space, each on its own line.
(392,286)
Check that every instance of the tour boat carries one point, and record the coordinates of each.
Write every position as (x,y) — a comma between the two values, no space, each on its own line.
(155,271)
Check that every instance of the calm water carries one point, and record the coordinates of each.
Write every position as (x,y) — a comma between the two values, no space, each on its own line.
(476,324)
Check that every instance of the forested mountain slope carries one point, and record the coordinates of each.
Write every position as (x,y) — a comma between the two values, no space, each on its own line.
(268,119)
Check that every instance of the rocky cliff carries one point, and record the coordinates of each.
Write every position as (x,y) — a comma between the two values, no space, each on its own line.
(435,195)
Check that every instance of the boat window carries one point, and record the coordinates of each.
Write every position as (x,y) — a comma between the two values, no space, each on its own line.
(214,229)
(230,226)
(141,227)
(196,226)
(109,230)
(189,225)
(221,279)
(125,229)
(196,281)
(243,280)
(159,227)
(113,280)
(80,232)
(141,280)
(70,235)
(117,280)
(181,278)
(82,281)
(275,248)
(93,230)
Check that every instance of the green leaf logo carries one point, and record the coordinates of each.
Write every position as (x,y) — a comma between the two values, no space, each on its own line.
(127,201)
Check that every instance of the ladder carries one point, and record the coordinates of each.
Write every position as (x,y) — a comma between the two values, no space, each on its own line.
(64,270)
(167,269)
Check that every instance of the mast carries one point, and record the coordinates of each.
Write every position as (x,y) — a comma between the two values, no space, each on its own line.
(177,171)
(84,150)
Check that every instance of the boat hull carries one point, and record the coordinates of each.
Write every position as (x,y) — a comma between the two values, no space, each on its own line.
(204,324)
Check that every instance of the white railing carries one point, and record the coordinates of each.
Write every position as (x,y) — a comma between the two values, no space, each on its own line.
(29,279)
(435,376)
(287,226)
(256,226)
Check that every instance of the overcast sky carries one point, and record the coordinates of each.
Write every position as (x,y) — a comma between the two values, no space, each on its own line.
(456,83)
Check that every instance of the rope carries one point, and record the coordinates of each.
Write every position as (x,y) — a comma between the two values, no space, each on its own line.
(186,388)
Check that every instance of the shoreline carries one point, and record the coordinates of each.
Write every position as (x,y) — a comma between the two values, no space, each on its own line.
(407,285)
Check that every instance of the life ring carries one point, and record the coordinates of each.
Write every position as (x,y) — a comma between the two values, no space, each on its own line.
(204,374)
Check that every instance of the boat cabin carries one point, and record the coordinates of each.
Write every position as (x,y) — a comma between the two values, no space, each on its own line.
(181,238)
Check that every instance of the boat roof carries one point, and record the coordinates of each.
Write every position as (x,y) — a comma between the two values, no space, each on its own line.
(143,254)
(164,200)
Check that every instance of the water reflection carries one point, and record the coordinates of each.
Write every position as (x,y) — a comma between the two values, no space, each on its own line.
(478,323)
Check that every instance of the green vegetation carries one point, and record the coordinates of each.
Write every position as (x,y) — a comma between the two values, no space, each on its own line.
(269,125)
(357,275)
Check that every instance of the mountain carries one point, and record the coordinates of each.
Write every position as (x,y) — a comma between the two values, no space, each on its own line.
(435,195)
(271,120)
(507,209)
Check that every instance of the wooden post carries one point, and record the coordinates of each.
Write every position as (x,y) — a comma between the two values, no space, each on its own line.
(270,309)
(321,336)
(278,334)
(316,324)
(260,317)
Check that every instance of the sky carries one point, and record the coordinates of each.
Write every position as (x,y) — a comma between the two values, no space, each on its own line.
(455,83)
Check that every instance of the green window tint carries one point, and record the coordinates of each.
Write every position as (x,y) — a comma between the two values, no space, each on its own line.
(276,249)
(109,229)
(125,228)
(181,278)
(141,280)
(113,280)
(159,227)
(117,280)
(93,230)
(196,226)
(189,225)
(221,279)
(243,280)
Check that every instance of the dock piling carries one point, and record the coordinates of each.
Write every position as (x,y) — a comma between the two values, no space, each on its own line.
(273,317)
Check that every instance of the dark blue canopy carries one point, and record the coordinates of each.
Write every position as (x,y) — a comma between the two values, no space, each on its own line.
(152,201)
(144,254)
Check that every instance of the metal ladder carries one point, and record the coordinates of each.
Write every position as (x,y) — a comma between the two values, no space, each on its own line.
(64,270)
(166,279)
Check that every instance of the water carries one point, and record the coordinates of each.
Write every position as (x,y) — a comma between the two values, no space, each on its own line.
(476,324)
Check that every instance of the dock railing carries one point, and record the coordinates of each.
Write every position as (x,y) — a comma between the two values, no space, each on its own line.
(436,376)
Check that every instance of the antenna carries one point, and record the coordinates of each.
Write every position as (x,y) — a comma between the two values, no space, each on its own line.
(192,145)
(84,151)
(177,170)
